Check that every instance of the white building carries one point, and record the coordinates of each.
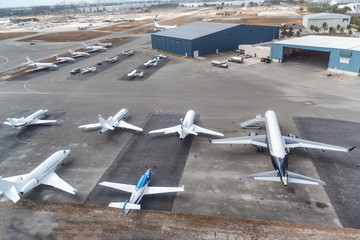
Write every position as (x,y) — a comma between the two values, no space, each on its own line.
(224,3)
(332,20)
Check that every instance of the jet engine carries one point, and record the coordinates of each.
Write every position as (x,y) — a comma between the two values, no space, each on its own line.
(28,186)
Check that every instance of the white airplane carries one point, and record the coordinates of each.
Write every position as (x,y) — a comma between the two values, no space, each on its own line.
(78,54)
(163,27)
(104,44)
(38,65)
(88,69)
(11,187)
(112,60)
(128,52)
(112,122)
(63,59)
(29,120)
(138,191)
(133,74)
(187,127)
(279,147)
(152,62)
(94,48)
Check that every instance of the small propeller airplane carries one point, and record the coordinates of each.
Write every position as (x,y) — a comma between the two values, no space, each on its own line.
(63,59)
(78,54)
(104,44)
(138,191)
(112,60)
(133,74)
(187,127)
(128,52)
(94,48)
(11,187)
(38,65)
(88,69)
(29,120)
(112,122)
(152,62)
(279,148)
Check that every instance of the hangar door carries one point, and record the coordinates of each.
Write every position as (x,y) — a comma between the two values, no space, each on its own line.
(175,46)
(312,58)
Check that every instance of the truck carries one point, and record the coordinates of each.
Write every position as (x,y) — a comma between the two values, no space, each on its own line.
(236,59)
(219,64)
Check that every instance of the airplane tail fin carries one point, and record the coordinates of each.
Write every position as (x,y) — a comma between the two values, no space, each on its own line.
(84,44)
(253,123)
(9,190)
(15,122)
(29,61)
(291,178)
(156,23)
(141,74)
(104,125)
(71,52)
(125,206)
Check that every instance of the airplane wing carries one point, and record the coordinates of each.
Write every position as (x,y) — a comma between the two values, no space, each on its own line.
(7,123)
(167,130)
(16,178)
(36,69)
(119,186)
(52,179)
(158,190)
(124,205)
(258,140)
(292,178)
(124,124)
(93,125)
(39,121)
(206,131)
(296,142)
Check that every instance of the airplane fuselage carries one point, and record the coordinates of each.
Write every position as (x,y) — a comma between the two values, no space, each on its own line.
(36,176)
(141,186)
(275,142)
(119,116)
(187,123)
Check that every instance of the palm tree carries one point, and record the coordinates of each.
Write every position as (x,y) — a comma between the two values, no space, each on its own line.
(338,27)
(325,26)
(312,28)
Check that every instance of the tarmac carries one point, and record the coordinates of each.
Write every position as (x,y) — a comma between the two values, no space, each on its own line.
(307,103)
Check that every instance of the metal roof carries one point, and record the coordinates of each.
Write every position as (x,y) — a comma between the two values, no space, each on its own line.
(195,30)
(347,43)
(325,16)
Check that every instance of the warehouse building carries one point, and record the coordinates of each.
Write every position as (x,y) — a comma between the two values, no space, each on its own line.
(332,20)
(337,54)
(203,38)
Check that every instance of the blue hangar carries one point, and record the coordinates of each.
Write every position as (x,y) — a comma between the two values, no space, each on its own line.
(203,38)
(337,54)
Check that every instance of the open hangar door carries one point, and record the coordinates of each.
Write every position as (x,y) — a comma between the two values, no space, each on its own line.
(312,58)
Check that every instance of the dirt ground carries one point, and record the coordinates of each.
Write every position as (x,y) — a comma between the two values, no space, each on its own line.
(87,221)
(9,35)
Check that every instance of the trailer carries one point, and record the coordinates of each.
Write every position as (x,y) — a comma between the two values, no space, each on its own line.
(236,59)
(219,64)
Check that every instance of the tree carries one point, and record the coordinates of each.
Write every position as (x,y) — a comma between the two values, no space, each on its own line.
(312,28)
(325,26)
(332,30)
(338,27)
(298,33)
(290,33)
(350,32)
(317,29)
(301,9)
(342,29)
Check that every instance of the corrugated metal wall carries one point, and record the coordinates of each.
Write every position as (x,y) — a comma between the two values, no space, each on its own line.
(220,41)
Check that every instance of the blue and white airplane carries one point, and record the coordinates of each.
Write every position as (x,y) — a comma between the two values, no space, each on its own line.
(138,191)
(279,147)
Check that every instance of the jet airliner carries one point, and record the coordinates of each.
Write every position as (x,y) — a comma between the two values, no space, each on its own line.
(279,148)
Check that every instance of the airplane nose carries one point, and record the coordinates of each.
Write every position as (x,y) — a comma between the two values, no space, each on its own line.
(67,152)
(285,181)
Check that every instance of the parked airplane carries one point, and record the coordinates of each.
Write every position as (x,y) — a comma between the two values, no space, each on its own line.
(279,147)
(29,120)
(152,62)
(94,48)
(187,127)
(78,54)
(104,44)
(38,65)
(128,52)
(63,59)
(133,74)
(112,122)
(11,187)
(138,191)
(88,69)
(112,60)
(163,27)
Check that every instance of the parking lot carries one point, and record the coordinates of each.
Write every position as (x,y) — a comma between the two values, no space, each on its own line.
(214,176)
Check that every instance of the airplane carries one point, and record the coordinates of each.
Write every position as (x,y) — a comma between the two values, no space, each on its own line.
(138,191)
(78,54)
(88,69)
(38,65)
(104,44)
(187,127)
(11,187)
(29,120)
(279,148)
(112,60)
(163,27)
(152,62)
(159,56)
(133,74)
(128,52)
(94,48)
(63,59)
(112,122)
